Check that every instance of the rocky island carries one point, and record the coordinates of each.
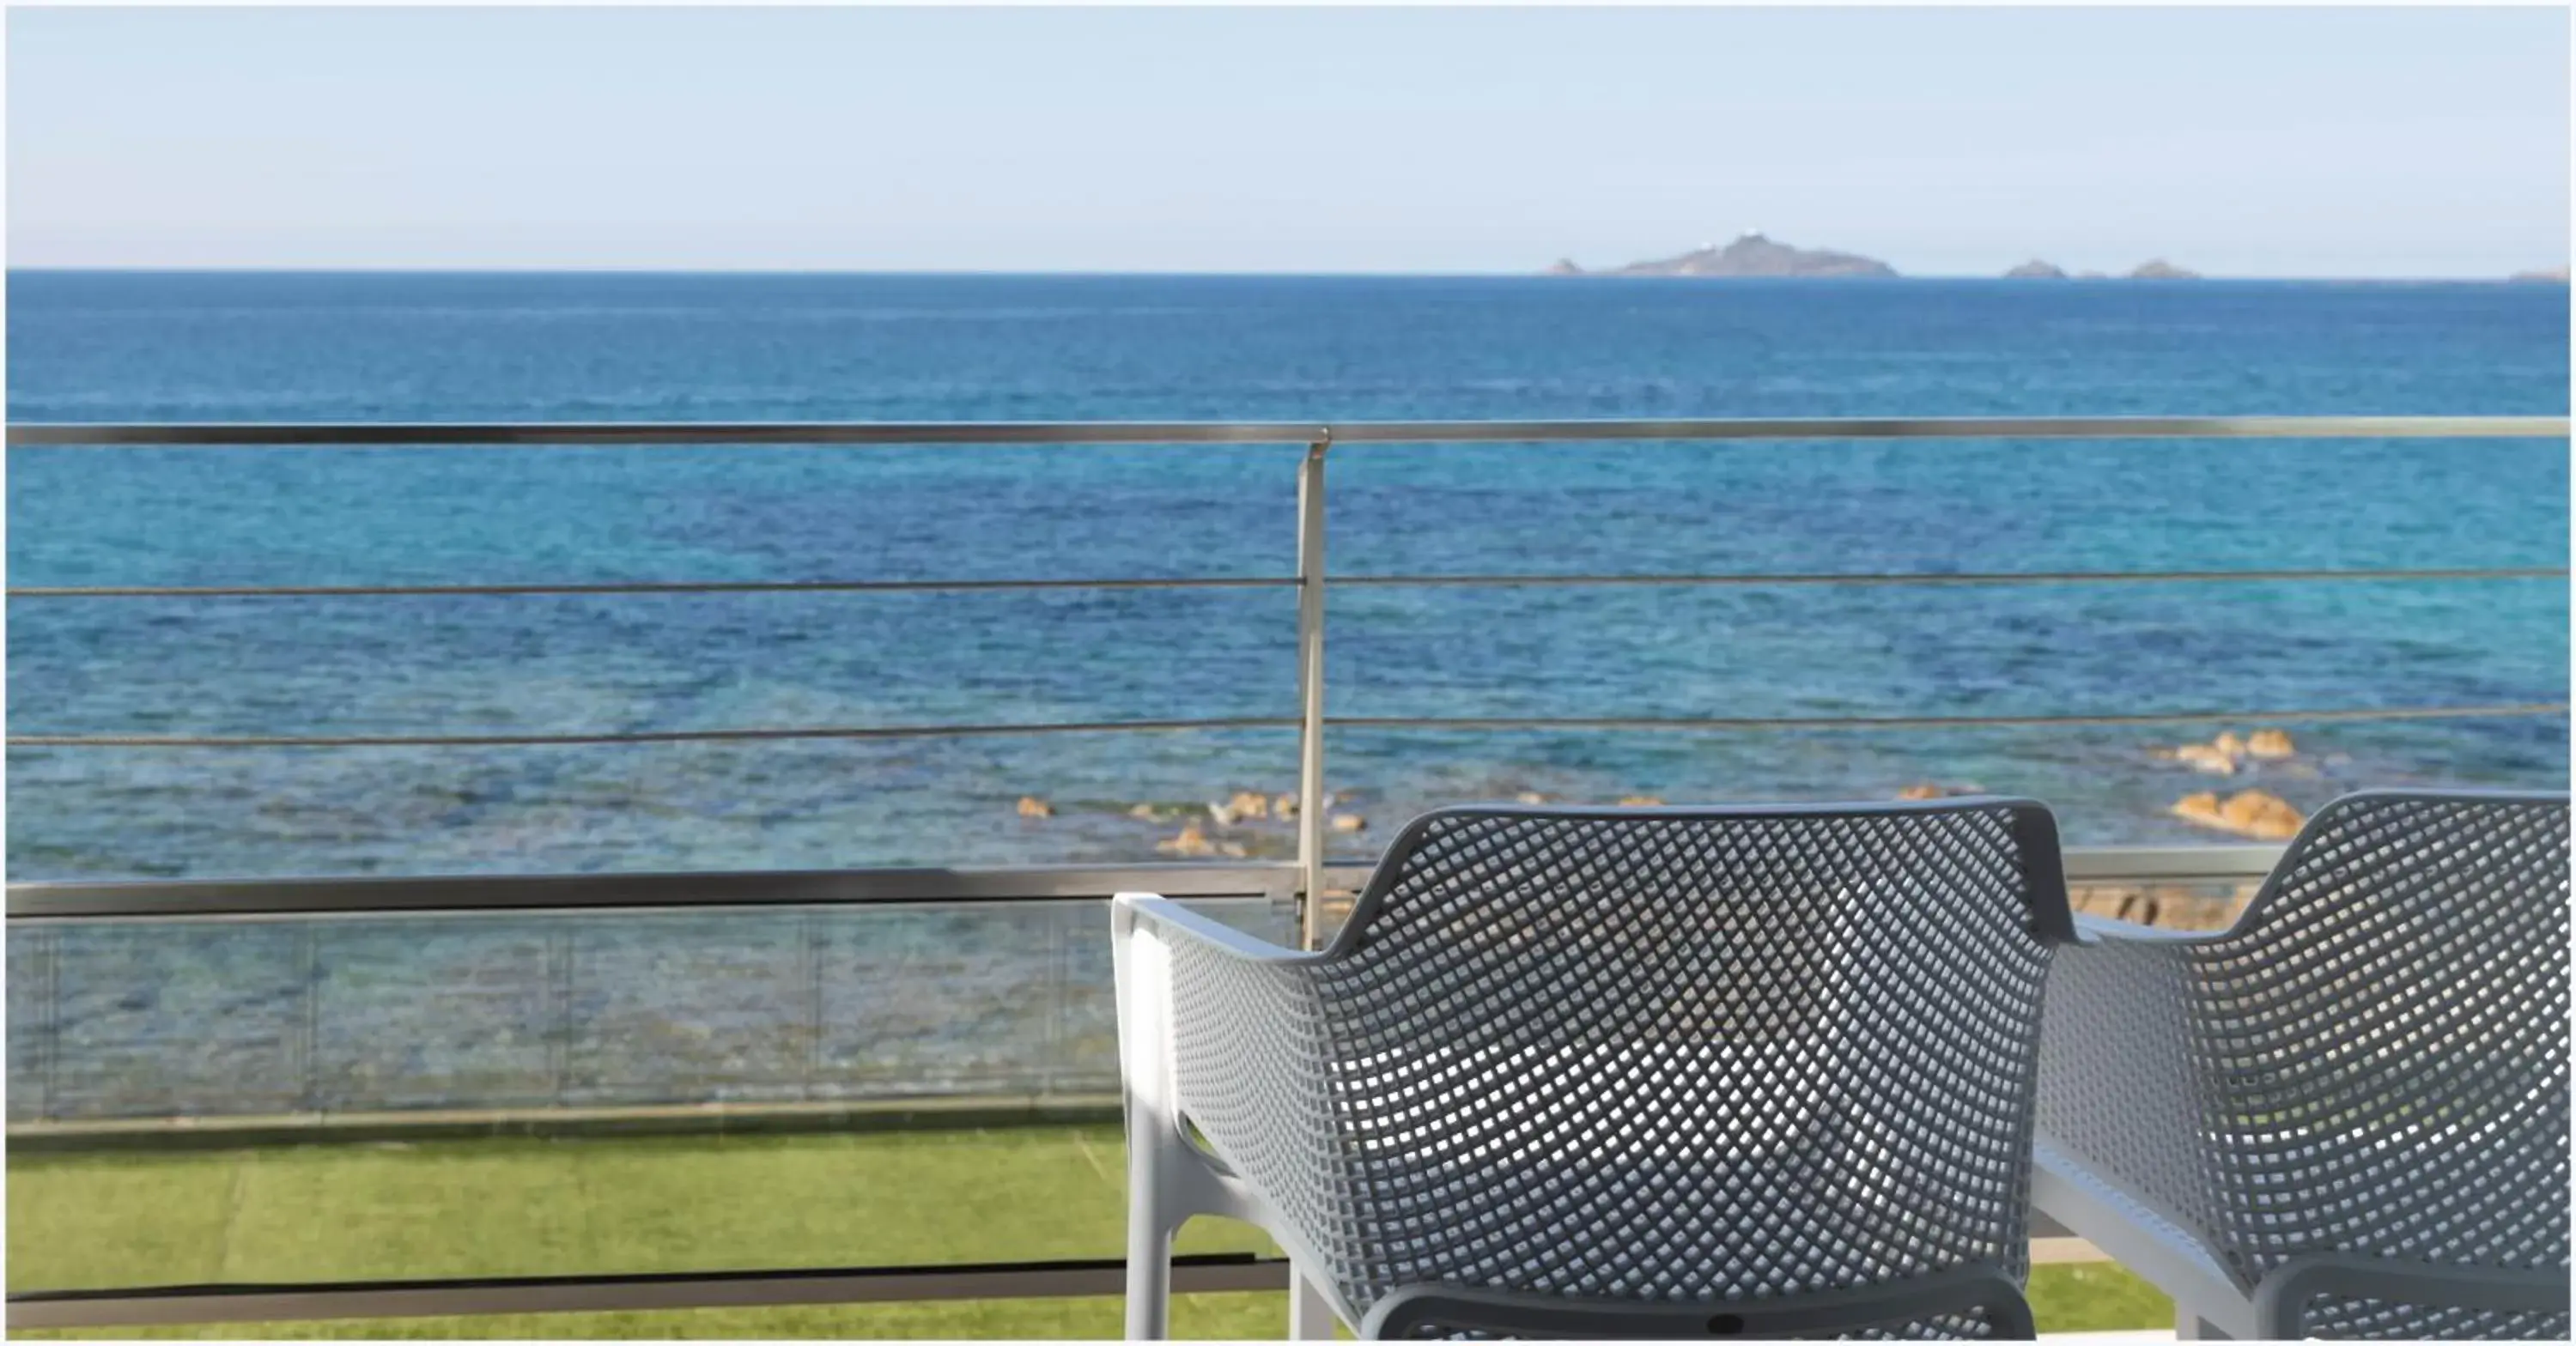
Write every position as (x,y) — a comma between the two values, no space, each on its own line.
(1751,256)
(2160,269)
(2553,276)
(2036,270)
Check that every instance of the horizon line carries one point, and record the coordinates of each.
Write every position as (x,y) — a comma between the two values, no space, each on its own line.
(2530,275)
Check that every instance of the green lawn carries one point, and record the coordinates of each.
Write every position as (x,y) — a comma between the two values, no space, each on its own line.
(559,1207)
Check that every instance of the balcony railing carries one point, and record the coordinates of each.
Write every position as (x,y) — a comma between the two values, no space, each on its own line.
(1300,897)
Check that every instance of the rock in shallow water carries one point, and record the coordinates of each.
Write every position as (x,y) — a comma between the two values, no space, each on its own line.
(1191,841)
(2206,757)
(2259,814)
(2269,744)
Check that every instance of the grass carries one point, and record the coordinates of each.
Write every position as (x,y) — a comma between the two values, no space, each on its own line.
(562,1207)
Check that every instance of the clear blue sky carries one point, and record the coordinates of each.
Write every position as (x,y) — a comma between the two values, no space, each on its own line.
(2240,142)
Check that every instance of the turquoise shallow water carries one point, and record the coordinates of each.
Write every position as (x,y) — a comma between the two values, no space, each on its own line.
(319,347)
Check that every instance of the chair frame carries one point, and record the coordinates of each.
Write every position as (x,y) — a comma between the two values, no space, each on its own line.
(2209,1301)
(1171,1177)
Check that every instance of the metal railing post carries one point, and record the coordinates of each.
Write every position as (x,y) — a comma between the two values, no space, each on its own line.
(1310,691)
(309,1043)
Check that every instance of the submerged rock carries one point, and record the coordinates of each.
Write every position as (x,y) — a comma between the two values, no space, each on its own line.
(1531,797)
(2258,814)
(1349,822)
(1924,790)
(2270,744)
(2205,757)
(1191,841)
(1641,802)
(1033,807)
(2200,808)
(2262,816)
(2222,755)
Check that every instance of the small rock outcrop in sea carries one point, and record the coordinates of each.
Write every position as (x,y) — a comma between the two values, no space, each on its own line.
(1564,267)
(1284,807)
(2247,813)
(1145,811)
(2165,906)
(2160,269)
(2556,275)
(1531,797)
(1641,802)
(1924,790)
(1755,256)
(1349,822)
(2205,757)
(2035,269)
(1249,804)
(2223,754)
(2271,745)
(1033,807)
(1191,841)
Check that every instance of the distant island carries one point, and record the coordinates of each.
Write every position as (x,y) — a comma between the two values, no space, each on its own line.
(1758,257)
(2159,269)
(1751,256)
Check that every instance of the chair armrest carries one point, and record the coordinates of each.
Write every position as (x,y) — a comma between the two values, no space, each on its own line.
(1222,1050)
(2121,1100)
(1416,1310)
(1167,918)
(2281,1301)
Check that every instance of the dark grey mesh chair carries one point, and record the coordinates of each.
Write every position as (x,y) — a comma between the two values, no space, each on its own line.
(2347,1116)
(1616,1073)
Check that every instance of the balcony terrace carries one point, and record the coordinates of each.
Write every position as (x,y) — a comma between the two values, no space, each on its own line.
(854,1102)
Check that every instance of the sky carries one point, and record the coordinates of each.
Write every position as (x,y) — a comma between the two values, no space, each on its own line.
(2292,142)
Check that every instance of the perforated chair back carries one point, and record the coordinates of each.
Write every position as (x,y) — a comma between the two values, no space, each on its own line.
(2360,1087)
(1726,1057)
(2390,1021)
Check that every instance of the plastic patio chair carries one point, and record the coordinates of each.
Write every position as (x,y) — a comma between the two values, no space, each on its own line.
(1616,1073)
(2347,1115)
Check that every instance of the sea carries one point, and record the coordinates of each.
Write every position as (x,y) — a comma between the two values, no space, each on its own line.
(744,347)
(619,347)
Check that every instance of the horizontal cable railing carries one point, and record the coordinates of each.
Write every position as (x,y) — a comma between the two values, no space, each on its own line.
(1990,578)
(1527,723)
(46,907)
(571,434)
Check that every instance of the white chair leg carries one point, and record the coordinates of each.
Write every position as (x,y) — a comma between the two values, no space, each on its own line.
(1310,1314)
(1149,1244)
(2190,1326)
(1149,1281)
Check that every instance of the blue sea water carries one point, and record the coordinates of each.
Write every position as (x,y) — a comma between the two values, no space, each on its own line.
(316,347)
